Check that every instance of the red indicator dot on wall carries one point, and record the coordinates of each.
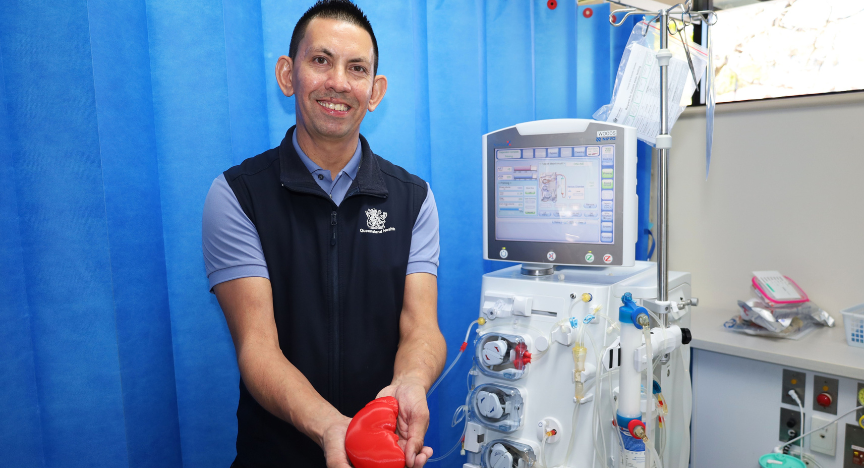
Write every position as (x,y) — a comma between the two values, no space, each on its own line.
(587,12)
(552,4)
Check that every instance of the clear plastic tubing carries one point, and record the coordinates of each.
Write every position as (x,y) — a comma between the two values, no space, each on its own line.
(481,321)
(649,401)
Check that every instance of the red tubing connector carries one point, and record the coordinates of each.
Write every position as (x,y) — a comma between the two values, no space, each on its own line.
(464,345)
(522,356)
(632,427)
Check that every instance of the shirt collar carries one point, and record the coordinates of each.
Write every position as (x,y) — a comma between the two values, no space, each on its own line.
(350,169)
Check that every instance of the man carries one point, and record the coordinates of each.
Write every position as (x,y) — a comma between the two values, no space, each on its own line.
(323,257)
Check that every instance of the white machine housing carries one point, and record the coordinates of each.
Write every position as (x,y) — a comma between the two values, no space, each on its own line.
(548,388)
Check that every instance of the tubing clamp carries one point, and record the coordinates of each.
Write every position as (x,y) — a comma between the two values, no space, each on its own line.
(630,311)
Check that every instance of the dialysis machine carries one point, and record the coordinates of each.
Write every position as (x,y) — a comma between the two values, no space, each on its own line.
(562,374)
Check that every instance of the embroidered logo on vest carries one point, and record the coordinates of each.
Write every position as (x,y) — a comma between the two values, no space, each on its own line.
(375,219)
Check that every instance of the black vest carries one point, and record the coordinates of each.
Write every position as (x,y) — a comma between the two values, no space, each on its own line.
(338,279)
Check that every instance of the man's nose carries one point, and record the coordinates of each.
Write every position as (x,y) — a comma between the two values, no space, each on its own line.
(338,81)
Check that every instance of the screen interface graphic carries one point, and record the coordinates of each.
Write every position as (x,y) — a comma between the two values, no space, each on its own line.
(558,194)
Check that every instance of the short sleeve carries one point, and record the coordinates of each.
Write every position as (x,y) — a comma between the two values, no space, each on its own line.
(229,240)
(424,239)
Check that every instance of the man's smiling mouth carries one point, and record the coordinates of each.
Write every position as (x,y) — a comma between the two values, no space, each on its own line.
(333,106)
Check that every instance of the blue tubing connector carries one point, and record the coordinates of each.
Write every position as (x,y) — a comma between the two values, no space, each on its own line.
(629,312)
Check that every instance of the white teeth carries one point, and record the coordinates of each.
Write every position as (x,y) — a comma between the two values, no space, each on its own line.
(330,105)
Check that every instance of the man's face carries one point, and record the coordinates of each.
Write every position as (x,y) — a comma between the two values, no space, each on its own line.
(332,79)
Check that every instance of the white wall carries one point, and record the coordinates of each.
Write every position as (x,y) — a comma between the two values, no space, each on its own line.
(785,193)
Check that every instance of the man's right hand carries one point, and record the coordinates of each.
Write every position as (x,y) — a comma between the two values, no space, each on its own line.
(333,443)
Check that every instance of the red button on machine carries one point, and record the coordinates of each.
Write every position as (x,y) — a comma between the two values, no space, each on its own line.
(824,400)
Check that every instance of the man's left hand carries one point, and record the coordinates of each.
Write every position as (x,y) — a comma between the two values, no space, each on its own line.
(412,422)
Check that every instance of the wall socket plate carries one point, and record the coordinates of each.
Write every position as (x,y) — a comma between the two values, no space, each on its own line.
(793,380)
(790,420)
(853,447)
(824,441)
(822,384)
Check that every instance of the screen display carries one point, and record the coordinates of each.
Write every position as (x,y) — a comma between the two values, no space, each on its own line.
(555,194)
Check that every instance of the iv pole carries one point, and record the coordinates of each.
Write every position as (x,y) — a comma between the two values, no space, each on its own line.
(662,305)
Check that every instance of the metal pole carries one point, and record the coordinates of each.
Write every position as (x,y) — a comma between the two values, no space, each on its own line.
(663,177)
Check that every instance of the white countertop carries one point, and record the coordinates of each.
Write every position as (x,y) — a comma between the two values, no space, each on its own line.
(823,350)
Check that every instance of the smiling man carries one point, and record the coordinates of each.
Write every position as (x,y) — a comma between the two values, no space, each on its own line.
(324,257)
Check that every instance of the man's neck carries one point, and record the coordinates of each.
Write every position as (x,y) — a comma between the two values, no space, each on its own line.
(330,155)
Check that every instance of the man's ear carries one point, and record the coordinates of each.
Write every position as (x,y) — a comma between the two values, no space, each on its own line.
(379,88)
(284,68)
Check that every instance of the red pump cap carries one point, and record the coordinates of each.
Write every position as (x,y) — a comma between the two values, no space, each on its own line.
(632,425)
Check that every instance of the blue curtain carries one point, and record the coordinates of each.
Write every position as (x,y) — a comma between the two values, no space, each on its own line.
(116,117)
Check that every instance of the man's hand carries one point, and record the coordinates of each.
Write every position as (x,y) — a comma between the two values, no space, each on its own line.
(412,422)
(333,443)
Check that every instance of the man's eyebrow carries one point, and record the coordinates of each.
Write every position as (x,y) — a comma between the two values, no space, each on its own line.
(359,60)
(325,51)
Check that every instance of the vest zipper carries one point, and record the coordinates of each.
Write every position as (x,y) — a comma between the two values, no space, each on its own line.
(334,315)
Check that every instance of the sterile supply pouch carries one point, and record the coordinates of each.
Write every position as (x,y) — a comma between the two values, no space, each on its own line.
(791,321)
(782,298)
(807,311)
(795,329)
(636,95)
(752,312)
(775,288)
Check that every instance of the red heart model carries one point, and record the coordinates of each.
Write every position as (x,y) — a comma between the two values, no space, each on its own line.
(371,437)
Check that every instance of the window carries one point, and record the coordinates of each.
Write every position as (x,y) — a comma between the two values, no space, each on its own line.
(783,48)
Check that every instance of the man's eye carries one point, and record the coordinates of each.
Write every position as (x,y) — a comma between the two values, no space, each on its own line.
(320,60)
(359,69)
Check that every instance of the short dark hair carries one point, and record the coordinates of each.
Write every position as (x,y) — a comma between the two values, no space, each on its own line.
(343,10)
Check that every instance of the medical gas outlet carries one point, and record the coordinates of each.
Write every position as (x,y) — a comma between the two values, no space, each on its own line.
(498,407)
(502,355)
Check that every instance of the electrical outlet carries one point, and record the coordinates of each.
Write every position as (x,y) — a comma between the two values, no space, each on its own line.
(853,447)
(793,380)
(824,441)
(825,394)
(790,425)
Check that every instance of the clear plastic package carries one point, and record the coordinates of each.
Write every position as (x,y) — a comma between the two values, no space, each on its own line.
(791,321)
(795,329)
(763,290)
(636,95)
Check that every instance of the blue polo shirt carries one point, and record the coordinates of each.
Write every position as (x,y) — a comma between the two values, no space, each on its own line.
(232,248)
